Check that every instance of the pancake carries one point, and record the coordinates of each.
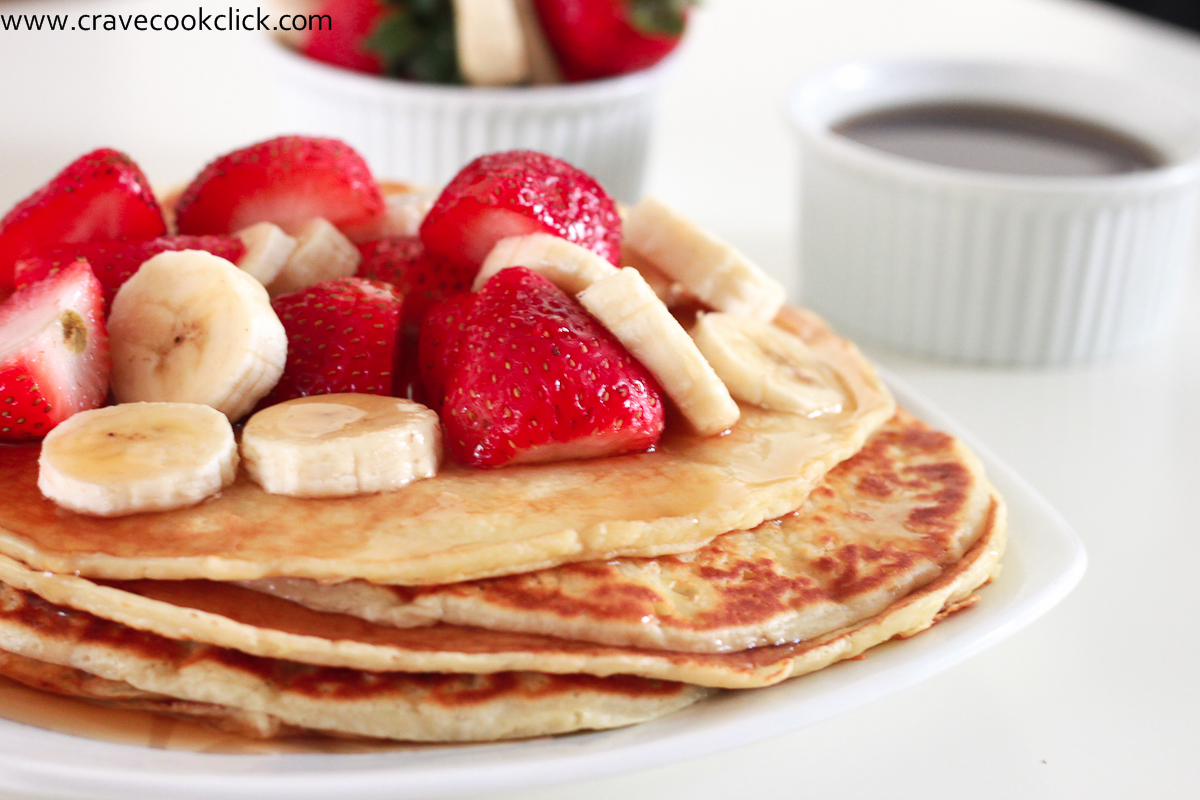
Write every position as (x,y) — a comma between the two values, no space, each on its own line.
(881,524)
(468,524)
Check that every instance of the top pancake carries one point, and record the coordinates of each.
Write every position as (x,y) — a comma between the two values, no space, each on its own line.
(466,524)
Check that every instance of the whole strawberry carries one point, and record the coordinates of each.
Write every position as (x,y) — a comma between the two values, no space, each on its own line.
(601,38)
(113,262)
(342,337)
(535,378)
(101,195)
(421,279)
(515,193)
(54,357)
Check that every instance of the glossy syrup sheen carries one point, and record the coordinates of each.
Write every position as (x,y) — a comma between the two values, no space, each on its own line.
(1008,140)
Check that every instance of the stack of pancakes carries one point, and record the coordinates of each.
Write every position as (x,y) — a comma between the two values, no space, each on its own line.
(532,600)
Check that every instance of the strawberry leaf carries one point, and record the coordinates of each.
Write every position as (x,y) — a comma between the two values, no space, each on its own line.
(415,40)
(660,17)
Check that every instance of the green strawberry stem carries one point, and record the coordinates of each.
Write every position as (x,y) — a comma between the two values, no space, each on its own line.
(415,41)
(660,17)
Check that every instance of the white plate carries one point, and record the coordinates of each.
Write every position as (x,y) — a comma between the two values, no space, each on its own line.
(1044,561)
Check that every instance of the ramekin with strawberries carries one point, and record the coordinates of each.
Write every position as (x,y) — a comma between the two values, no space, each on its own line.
(421,87)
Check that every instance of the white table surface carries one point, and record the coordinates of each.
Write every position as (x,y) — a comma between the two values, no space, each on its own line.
(1099,699)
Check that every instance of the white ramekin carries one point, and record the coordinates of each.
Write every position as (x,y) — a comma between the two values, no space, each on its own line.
(990,268)
(424,133)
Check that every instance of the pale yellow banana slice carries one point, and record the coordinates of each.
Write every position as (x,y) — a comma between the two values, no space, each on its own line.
(543,64)
(190,327)
(322,253)
(568,266)
(268,249)
(137,457)
(490,42)
(767,366)
(709,268)
(626,305)
(337,445)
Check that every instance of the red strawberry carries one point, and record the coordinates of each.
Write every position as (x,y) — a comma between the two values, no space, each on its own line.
(53,353)
(514,193)
(422,279)
(102,195)
(599,38)
(442,335)
(113,262)
(342,42)
(342,337)
(289,181)
(536,378)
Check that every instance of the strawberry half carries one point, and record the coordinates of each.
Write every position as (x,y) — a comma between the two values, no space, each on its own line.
(53,353)
(515,193)
(114,262)
(343,336)
(288,181)
(102,195)
(419,277)
(600,38)
(535,378)
(442,335)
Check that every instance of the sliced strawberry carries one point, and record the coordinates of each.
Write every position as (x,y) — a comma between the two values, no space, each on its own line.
(422,279)
(514,193)
(53,352)
(442,335)
(600,38)
(114,262)
(343,42)
(102,195)
(535,378)
(288,181)
(343,336)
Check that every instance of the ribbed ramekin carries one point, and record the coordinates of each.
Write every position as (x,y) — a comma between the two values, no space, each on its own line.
(423,133)
(988,268)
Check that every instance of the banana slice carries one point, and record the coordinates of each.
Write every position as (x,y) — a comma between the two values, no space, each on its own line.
(137,457)
(190,327)
(767,366)
(490,42)
(336,445)
(268,249)
(322,252)
(626,305)
(568,266)
(709,268)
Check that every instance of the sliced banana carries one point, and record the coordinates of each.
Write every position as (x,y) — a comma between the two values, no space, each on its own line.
(490,42)
(626,305)
(322,253)
(268,249)
(709,268)
(543,64)
(337,445)
(568,266)
(190,327)
(767,366)
(137,457)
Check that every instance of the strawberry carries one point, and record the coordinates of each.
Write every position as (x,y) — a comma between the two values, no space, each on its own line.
(442,334)
(113,262)
(288,181)
(342,337)
(600,38)
(515,193)
(342,42)
(422,279)
(411,40)
(101,195)
(53,352)
(533,377)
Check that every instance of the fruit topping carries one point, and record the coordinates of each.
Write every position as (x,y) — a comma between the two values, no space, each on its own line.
(517,193)
(421,279)
(443,332)
(268,249)
(102,195)
(53,352)
(626,305)
(337,445)
(288,181)
(710,269)
(138,457)
(599,38)
(568,266)
(535,378)
(342,337)
(190,327)
(321,253)
(114,261)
